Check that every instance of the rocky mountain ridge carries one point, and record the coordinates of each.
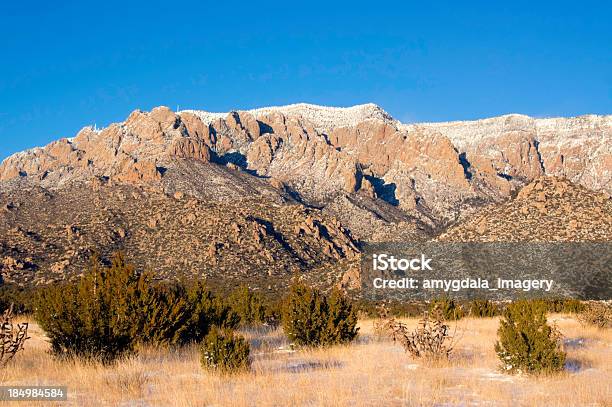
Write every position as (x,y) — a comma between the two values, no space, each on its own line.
(267,193)
(430,172)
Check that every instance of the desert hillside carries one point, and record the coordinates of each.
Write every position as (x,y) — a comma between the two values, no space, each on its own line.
(549,209)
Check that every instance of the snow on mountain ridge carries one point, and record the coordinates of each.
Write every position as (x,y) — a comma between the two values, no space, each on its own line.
(461,132)
(322,117)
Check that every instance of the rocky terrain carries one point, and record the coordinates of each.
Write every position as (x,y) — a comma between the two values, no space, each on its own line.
(265,193)
(550,209)
(51,235)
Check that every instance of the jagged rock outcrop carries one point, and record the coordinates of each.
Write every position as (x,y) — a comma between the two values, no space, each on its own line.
(518,146)
(432,172)
(134,152)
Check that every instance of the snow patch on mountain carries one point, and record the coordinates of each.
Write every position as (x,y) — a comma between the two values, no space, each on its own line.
(464,133)
(322,117)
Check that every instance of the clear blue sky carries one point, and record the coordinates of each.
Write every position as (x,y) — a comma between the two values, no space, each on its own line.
(65,65)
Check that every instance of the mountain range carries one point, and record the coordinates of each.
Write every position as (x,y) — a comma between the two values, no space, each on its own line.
(263,194)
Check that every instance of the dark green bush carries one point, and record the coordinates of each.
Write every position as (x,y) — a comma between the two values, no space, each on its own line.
(448,308)
(312,319)
(93,319)
(112,309)
(250,307)
(207,310)
(341,319)
(526,342)
(162,315)
(20,297)
(223,351)
(178,314)
(483,309)
(565,305)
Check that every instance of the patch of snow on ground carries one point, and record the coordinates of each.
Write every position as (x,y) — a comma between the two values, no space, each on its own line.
(574,342)
(282,349)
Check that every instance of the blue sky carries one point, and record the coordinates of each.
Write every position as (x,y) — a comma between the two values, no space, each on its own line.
(66,64)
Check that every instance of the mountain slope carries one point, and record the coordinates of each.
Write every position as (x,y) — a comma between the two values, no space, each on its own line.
(550,209)
(51,235)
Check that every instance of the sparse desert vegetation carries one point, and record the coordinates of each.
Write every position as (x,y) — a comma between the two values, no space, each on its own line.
(12,336)
(313,319)
(527,343)
(370,371)
(116,337)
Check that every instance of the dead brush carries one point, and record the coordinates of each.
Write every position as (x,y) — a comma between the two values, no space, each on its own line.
(379,325)
(431,339)
(596,314)
(128,378)
(13,336)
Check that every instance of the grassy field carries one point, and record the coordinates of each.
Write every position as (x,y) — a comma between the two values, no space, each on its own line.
(370,372)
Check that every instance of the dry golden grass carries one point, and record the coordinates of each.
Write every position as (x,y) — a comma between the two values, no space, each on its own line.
(370,372)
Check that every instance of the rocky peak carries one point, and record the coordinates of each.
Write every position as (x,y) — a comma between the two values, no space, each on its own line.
(519,146)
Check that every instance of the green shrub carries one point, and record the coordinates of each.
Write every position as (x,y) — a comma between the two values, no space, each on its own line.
(207,310)
(572,306)
(250,307)
(565,305)
(162,315)
(483,309)
(341,319)
(224,352)
(112,309)
(93,319)
(178,314)
(526,342)
(304,315)
(447,307)
(311,319)
(20,297)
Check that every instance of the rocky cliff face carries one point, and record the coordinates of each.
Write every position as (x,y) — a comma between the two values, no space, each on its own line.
(356,174)
(518,146)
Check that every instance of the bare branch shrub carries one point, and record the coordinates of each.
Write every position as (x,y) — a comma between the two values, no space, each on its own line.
(380,324)
(430,340)
(596,314)
(13,336)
